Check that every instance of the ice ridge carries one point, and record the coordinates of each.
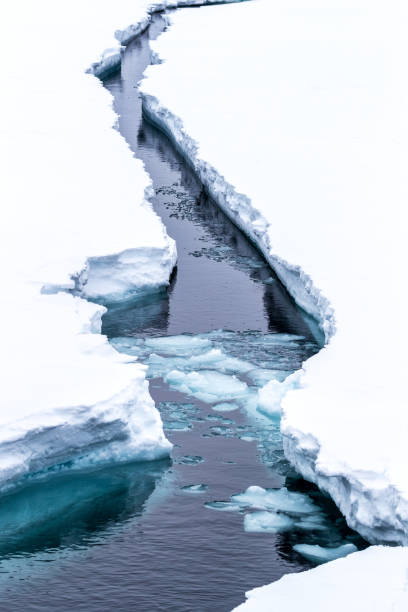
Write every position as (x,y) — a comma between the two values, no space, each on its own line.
(374,507)
(239,208)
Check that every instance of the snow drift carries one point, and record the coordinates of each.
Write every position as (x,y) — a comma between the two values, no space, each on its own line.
(377,574)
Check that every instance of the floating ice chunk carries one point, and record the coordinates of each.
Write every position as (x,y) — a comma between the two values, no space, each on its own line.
(197,488)
(207,386)
(223,506)
(318,554)
(219,418)
(295,504)
(247,436)
(191,459)
(178,345)
(176,425)
(178,409)
(283,339)
(226,421)
(226,407)
(129,274)
(216,359)
(269,522)
(220,430)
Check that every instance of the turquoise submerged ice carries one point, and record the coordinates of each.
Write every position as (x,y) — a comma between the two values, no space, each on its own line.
(319,554)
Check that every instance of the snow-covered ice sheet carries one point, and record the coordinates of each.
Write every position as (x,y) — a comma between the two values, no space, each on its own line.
(73,216)
(374,580)
(294,116)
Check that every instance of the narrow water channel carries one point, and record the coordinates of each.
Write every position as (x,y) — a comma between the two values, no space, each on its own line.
(182,535)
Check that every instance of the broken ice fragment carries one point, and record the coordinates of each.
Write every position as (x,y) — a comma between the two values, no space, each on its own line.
(226,407)
(176,425)
(178,345)
(191,459)
(295,504)
(247,436)
(319,554)
(223,506)
(220,430)
(215,359)
(197,488)
(207,386)
(267,522)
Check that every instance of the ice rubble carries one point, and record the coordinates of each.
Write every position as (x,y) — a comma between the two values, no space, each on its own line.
(304,145)
(206,367)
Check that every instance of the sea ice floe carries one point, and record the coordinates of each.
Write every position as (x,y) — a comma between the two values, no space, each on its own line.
(247,436)
(290,502)
(195,488)
(269,522)
(190,459)
(176,425)
(223,506)
(226,407)
(182,345)
(219,419)
(216,359)
(208,386)
(221,430)
(319,554)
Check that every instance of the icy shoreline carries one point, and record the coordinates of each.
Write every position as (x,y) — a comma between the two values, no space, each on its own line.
(75,225)
(240,210)
(338,380)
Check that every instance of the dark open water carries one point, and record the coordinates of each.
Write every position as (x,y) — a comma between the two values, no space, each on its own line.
(132,538)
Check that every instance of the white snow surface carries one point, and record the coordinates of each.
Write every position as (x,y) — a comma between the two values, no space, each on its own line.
(294,115)
(73,213)
(374,580)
